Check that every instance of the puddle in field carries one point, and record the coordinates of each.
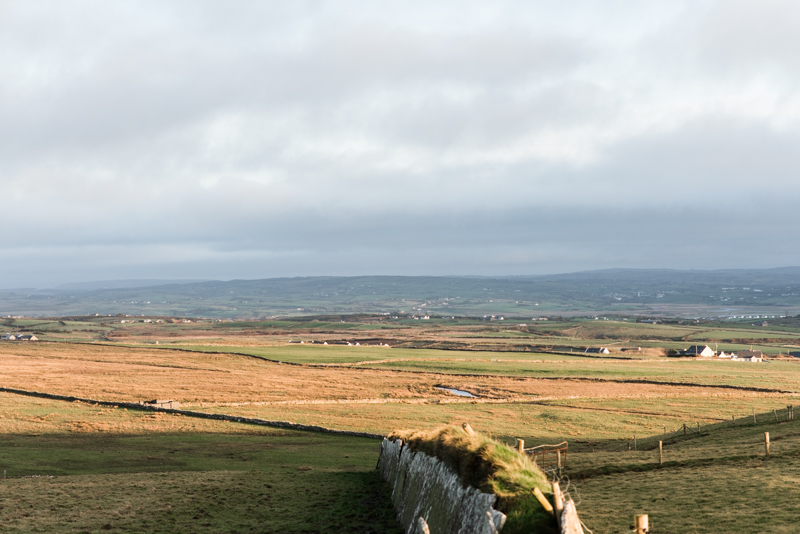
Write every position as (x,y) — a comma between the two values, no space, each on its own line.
(459,392)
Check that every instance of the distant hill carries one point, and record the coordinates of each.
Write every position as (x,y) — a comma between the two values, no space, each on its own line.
(616,291)
(121,284)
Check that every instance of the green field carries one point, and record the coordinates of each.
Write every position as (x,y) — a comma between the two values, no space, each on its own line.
(717,481)
(528,384)
(331,354)
(148,475)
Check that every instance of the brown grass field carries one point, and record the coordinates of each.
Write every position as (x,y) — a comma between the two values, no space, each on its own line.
(366,399)
(597,404)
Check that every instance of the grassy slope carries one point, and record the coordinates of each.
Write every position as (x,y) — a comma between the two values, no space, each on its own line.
(717,481)
(311,354)
(158,475)
(773,375)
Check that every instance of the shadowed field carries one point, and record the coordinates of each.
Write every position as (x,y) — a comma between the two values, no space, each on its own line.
(78,468)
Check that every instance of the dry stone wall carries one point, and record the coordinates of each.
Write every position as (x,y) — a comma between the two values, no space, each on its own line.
(423,486)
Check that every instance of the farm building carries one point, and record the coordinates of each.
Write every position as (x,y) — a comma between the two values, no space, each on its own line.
(19,337)
(699,350)
(596,350)
(745,354)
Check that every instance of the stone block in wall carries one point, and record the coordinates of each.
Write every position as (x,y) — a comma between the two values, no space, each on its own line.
(424,486)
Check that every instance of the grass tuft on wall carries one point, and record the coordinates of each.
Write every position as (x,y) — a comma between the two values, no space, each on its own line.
(491,467)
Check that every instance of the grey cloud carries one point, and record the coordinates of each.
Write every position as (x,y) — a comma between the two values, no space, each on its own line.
(744,36)
(455,137)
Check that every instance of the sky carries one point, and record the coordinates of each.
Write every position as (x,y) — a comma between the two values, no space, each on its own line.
(207,139)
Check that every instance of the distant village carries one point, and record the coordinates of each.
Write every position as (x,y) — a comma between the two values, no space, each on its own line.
(19,337)
(695,351)
(704,351)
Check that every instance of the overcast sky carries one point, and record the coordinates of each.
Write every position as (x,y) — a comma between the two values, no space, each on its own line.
(196,139)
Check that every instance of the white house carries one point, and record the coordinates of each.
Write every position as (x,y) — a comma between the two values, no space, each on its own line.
(749,356)
(736,358)
(699,350)
(592,350)
(9,337)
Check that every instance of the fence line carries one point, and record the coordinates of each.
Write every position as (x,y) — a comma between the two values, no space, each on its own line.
(774,416)
(544,455)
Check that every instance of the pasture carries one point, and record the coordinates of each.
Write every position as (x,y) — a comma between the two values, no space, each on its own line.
(521,388)
(74,467)
(719,480)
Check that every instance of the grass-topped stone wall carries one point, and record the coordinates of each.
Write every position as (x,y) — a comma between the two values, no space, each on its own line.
(464,483)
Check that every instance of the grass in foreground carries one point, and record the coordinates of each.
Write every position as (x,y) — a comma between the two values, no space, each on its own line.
(164,475)
(717,481)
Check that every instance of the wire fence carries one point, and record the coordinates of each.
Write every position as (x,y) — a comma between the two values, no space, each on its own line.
(549,458)
(695,428)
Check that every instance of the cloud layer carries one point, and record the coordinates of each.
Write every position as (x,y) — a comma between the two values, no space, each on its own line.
(217,140)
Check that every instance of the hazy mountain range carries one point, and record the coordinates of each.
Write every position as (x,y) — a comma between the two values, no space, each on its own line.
(615,291)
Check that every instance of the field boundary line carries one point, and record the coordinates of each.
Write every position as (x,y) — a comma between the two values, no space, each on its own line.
(189,413)
(613,410)
(469,375)
(618,469)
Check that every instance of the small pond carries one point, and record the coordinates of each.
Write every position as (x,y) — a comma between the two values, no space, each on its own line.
(459,392)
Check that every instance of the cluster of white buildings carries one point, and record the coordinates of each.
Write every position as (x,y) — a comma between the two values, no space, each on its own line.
(707,352)
(19,337)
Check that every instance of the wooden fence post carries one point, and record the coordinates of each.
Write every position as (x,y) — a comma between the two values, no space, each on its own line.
(754,416)
(543,500)
(684,429)
(641,524)
(698,427)
(570,524)
(468,429)
(660,453)
(766,442)
(776,415)
(521,446)
(558,498)
(558,463)
(634,443)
